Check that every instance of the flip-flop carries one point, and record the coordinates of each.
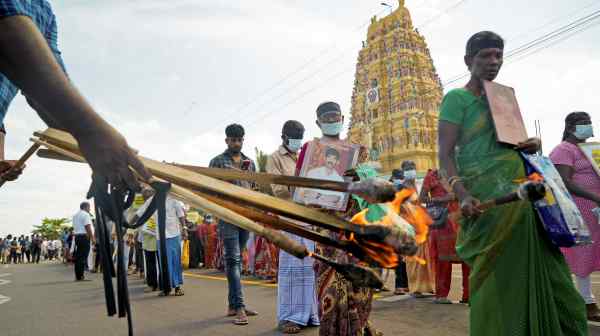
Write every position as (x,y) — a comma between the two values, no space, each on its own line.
(251,312)
(240,321)
(288,327)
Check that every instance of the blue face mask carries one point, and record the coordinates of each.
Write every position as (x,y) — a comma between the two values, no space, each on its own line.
(583,132)
(294,144)
(410,174)
(332,129)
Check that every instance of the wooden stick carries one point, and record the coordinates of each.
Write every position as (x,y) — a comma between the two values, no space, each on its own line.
(49,154)
(19,164)
(192,180)
(290,246)
(230,216)
(265,178)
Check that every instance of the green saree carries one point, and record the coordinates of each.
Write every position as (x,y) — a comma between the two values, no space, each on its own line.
(520,284)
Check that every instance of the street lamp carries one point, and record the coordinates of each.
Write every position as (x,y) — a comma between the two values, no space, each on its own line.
(388,6)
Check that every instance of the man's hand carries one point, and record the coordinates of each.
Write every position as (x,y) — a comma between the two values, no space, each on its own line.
(110,157)
(8,172)
(530,146)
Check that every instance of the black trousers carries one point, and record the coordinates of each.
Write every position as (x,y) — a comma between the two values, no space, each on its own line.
(139,257)
(36,251)
(151,269)
(401,276)
(13,256)
(28,255)
(196,251)
(82,250)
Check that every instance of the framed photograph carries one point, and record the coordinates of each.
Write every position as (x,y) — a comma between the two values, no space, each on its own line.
(592,152)
(326,161)
(508,121)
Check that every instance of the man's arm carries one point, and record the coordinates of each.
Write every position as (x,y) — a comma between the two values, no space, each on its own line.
(274,167)
(90,233)
(27,61)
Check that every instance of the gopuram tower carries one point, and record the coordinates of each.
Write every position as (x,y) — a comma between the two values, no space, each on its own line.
(396,95)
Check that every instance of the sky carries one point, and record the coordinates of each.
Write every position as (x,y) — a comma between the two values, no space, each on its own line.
(170,75)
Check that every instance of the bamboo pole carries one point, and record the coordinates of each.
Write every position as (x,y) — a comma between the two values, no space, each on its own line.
(19,164)
(195,181)
(283,242)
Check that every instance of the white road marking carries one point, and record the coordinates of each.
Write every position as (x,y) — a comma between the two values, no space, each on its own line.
(4,299)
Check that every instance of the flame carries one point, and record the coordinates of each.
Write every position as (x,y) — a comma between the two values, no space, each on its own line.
(405,205)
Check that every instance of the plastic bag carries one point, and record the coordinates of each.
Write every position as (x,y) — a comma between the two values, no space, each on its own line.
(559,213)
(185,254)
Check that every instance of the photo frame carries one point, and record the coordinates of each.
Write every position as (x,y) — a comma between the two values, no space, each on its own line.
(591,150)
(508,121)
(326,160)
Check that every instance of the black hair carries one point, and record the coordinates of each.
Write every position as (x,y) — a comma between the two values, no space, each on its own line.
(330,151)
(397,174)
(327,107)
(84,205)
(234,131)
(571,119)
(483,39)
(292,127)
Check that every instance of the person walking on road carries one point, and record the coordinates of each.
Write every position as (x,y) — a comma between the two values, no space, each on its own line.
(82,228)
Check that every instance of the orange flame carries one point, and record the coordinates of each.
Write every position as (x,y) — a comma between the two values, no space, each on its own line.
(405,206)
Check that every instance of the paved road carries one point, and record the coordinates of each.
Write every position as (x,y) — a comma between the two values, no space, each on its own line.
(43,300)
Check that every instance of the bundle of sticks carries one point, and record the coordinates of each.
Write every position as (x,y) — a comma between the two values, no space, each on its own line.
(208,190)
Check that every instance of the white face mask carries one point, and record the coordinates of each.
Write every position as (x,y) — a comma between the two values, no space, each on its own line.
(410,174)
(294,144)
(332,129)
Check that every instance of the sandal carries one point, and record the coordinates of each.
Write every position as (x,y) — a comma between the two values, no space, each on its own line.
(178,291)
(442,300)
(287,327)
(399,291)
(241,318)
(232,312)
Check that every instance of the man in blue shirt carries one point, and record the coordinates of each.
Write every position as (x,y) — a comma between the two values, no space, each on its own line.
(30,60)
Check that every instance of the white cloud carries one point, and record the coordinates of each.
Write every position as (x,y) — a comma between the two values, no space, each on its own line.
(171,74)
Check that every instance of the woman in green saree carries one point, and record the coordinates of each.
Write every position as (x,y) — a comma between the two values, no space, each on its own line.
(520,284)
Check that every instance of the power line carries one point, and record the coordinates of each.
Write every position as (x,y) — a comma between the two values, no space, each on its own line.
(342,54)
(289,75)
(551,38)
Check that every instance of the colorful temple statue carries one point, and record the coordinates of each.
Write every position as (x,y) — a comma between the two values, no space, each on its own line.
(396,94)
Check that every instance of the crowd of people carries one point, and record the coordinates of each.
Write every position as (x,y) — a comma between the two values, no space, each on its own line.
(515,280)
(29,249)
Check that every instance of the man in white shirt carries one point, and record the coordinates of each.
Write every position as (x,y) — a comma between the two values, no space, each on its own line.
(83,234)
(174,222)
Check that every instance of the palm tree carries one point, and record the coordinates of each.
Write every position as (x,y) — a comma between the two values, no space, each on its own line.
(50,228)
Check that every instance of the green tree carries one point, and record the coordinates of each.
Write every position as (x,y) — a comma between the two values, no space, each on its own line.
(50,227)
(261,160)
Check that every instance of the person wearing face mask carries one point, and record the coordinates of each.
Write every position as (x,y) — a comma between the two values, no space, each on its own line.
(296,294)
(420,277)
(584,184)
(343,309)
(397,179)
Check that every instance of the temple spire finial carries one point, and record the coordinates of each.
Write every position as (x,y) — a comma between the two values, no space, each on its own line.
(401,2)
